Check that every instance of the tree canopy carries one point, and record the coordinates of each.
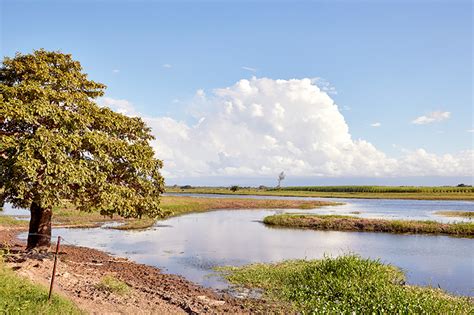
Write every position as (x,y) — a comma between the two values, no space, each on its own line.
(57,144)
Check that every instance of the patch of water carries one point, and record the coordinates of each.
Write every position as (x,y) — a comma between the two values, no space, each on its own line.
(192,245)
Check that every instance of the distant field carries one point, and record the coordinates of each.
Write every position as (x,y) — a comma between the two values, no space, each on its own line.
(381,189)
(370,192)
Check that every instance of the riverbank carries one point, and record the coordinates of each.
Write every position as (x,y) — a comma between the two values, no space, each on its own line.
(90,278)
(356,224)
(344,285)
(423,194)
(68,216)
(82,276)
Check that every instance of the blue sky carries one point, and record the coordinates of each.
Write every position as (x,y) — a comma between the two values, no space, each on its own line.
(389,61)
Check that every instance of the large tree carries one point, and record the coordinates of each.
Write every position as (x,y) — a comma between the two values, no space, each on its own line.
(58,145)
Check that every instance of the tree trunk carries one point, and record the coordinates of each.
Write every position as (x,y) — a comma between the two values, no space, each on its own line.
(39,235)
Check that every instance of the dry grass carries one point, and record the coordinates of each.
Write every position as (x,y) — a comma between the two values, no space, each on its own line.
(458,214)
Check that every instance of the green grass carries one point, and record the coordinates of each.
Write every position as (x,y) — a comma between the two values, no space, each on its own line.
(344,285)
(113,285)
(369,192)
(20,296)
(350,223)
(11,221)
(382,189)
(67,215)
(459,214)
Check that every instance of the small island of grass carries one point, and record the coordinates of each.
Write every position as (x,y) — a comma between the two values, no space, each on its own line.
(350,223)
(344,285)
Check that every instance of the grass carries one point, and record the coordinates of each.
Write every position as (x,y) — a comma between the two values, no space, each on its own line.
(11,221)
(459,214)
(67,215)
(113,285)
(383,189)
(344,285)
(350,223)
(364,192)
(20,296)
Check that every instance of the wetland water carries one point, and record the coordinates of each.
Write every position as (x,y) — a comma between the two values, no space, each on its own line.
(191,245)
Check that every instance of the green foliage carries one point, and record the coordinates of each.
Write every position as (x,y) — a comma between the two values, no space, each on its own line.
(345,285)
(383,189)
(57,144)
(234,188)
(20,296)
(113,285)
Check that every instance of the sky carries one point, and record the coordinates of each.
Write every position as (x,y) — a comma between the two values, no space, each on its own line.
(331,92)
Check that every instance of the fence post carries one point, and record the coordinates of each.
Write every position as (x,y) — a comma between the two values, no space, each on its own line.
(54,268)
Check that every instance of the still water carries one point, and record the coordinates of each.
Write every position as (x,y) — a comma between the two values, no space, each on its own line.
(193,244)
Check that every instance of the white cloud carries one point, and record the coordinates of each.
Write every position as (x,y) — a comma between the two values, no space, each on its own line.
(326,86)
(167,66)
(470,130)
(116,71)
(249,69)
(376,124)
(259,127)
(120,106)
(435,116)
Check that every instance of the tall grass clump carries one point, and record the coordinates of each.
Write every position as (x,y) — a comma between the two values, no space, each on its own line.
(345,285)
(113,285)
(20,296)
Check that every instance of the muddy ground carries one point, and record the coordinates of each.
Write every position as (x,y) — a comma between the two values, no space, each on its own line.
(81,269)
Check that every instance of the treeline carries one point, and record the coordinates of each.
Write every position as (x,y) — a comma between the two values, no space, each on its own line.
(381,189)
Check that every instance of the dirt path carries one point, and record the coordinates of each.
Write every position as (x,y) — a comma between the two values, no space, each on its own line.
(80,269)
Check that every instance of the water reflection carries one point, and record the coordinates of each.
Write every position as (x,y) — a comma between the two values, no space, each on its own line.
(193,244)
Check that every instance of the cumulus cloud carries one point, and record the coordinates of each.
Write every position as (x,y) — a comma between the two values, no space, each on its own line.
(116,71)
(435,116)
(261,126)
(118,105)
(376,124)
(167,66)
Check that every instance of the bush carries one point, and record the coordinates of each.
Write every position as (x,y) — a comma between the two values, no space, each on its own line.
(234,188)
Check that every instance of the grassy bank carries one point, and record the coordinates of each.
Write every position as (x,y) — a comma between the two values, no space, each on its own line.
(20,296)
(177,205)
(360,192)
(171,205)
(344,285)
(349,223)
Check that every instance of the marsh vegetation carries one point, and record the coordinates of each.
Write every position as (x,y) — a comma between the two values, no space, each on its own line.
(351,223)
(344,285)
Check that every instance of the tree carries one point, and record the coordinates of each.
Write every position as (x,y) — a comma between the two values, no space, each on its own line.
(58,145)
(281,177)
(234,188)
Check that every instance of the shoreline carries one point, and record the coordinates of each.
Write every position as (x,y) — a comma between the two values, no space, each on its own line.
(80,270)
